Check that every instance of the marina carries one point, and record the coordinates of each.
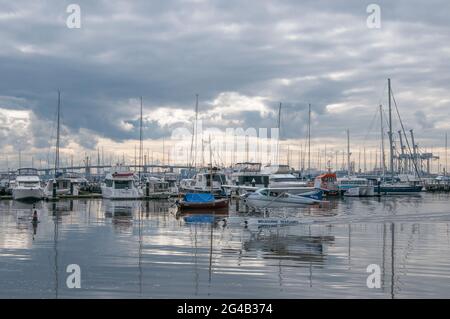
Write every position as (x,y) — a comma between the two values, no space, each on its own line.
(144,249)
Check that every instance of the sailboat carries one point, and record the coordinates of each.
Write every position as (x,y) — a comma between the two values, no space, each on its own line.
(393,186)
(59,185)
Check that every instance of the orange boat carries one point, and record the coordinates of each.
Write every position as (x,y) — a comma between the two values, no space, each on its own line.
(327,183)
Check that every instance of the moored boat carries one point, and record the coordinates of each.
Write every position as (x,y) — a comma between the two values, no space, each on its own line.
(266,198)
(27,185)
(120,183)
(202,201)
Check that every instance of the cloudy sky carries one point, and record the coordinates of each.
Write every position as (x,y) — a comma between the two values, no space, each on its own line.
(242,57)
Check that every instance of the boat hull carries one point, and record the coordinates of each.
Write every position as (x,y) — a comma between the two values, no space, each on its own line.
(27,193)
(399,190)
(216,204)
(110,193)
(360,191)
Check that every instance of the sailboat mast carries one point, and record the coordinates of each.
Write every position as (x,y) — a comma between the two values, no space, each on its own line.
(279,133)
(141,150)
(445,170)
(382,157)
(391,145)
(348,152)
(57,133)
(195,130)
(309,138)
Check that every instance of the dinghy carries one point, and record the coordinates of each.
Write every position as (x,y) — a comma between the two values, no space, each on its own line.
(200,201)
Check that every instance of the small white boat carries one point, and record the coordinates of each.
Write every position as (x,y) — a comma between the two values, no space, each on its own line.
(266,198)
(120,183)
(353,186)
(27,185)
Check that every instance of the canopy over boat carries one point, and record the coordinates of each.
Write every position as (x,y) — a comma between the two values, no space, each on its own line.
(199,197)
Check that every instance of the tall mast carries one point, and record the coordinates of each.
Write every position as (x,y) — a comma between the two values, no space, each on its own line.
(365,163)
(57,133)
(141,149)
(195,130)
(382,157)
(279,133)
(309,138)
(348,152)
(391,145)
(445,170)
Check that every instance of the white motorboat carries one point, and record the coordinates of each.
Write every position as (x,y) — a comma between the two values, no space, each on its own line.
(27,185)
(120,183)
(157,188)
(64,185)
(205,181)
(267,198)
(280,176)
(353,186)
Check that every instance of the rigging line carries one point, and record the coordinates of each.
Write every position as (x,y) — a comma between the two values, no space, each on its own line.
(375,115)
(404,133)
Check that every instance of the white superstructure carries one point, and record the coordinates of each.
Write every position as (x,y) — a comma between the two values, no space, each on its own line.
(27,185)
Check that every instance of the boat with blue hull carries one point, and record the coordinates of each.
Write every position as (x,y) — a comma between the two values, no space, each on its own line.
(398,189)
(202,201)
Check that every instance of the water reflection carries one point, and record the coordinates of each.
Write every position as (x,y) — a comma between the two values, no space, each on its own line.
(145,249)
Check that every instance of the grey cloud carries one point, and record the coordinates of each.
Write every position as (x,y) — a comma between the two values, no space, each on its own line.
(167,51)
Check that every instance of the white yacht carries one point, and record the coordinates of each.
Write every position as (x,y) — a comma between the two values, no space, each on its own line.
(120,183)
(27,185)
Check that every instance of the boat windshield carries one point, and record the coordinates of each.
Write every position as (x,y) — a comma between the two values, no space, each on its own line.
(285,179)
(122,184)
(28,183)
(27,171)
(216,178)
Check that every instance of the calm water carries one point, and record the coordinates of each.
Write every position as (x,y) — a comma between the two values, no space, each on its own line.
(143,250)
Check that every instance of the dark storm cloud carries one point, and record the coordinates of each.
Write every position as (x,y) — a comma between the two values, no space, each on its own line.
(318,52)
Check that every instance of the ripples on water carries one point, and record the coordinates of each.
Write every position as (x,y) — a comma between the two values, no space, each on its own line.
(143,249)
